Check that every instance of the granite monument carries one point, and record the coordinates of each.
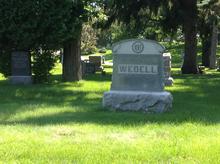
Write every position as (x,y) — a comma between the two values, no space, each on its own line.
(167,69)
(138,78)
(21,68)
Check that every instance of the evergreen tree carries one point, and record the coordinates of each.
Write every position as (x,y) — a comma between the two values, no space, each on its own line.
(173,12)
(48,24)
(209,15)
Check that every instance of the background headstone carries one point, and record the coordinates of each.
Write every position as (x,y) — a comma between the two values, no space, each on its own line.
(88,68)
(21,68)
(218,64)
(167,69)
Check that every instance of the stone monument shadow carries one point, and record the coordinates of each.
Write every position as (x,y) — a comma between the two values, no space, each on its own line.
(106,118)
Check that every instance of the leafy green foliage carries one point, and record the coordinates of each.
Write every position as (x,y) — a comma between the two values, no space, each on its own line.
(88,39)
(26,25)
(43,63)
(118,9)
(149,19)
(5,63)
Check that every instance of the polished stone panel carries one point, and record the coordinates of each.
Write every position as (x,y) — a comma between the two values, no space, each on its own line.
(138,66)
(21,63)
(20,68)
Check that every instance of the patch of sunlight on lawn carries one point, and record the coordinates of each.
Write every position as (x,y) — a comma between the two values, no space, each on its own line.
(2,77)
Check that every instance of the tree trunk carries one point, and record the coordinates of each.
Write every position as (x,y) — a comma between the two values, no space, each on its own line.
(72,61)
(190,32)
(206,44)
(214,43)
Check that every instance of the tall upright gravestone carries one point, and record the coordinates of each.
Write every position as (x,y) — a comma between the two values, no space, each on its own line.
(20,68)
(167,69)
(138,78)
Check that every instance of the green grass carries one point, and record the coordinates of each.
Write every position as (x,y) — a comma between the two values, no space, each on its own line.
(66,123)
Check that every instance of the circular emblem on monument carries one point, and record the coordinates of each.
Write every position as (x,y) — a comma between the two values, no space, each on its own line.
(138,47)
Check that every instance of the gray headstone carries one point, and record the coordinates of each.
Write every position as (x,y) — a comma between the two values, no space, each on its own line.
(138,66)
(138,78)
(21,68)
(21,64)
(167,69)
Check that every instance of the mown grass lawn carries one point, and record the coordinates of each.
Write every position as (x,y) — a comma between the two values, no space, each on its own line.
(66,123)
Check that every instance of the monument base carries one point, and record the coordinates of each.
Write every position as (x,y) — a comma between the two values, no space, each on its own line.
(153,102)
(20,80)
(169,81)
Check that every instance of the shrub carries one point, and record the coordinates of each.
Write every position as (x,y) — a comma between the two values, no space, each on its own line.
(5,63)
(43,63)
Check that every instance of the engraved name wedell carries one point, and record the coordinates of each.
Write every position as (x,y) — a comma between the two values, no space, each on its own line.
(137,69)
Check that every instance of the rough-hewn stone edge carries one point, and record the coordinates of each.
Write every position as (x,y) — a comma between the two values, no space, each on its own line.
(149,102)
(169,81)
(25,80)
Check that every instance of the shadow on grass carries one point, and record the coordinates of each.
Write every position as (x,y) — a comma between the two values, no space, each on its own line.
(92,77)
(196,76)
(98,77)
(200,104)
(187,108)
(103,117)
(19,98)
